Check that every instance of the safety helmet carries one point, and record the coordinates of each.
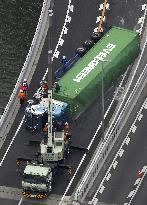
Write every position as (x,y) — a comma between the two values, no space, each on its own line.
(64,57)
(66,123)
(21,91)
(25,80)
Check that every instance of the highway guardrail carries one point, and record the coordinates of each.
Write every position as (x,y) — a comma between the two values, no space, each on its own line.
(27,71)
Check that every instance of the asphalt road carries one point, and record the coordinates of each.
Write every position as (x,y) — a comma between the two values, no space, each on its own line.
(141,197)
(79,30)
(124,176)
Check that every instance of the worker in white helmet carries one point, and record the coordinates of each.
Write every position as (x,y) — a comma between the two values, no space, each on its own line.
(64,62)
(24,87)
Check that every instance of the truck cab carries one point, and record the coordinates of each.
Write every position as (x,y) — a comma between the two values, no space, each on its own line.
(37,181)
(36,115)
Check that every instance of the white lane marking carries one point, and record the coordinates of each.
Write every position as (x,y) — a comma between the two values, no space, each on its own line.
(142,19)
(145,105)
(127,140)
(137,181)
(121,152)
(70,183)
(143,7)
(64,30)
(131,194)
(136,188)
(102,5)
(140,117)
(108,177)
(20,202)
(144,169)
(115,164)
(133,128)
(101,189)
(89,146)
(12,141)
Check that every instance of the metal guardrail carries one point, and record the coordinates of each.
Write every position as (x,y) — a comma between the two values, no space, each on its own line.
(27,71)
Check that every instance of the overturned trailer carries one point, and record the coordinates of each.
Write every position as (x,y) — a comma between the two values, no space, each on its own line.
(80,86)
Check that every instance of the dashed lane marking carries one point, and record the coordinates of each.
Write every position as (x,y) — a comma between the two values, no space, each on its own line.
(101,189)
(121,152)
(137,181)
(136,187)
(140,117)
(108,177)
(131,194)
(12,141)
(127,140)
(115,164)
(133,128)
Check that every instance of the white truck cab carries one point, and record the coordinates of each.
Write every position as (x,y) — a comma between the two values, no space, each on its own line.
(37,181)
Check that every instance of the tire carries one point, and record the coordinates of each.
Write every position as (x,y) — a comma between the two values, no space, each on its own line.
(88,44)
(80,51)
(96,36)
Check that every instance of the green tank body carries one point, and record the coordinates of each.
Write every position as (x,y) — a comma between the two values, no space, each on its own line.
(81,85)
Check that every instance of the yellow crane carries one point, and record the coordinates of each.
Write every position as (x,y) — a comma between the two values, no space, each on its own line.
(102,16)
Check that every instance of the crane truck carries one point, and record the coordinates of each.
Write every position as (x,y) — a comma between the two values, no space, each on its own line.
(38,177)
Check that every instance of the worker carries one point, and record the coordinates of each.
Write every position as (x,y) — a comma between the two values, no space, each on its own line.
(45,131)
(45,89)
(64,62)
(66,131)
(66,137)
(21,96)
(66,127)
(25,85)
(56,87)
(45,85)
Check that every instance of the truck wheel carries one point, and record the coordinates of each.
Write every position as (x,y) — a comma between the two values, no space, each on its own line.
(96,36)
(80,51)
(88,44)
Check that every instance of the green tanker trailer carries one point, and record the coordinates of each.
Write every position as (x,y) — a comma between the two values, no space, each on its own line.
(81,85)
